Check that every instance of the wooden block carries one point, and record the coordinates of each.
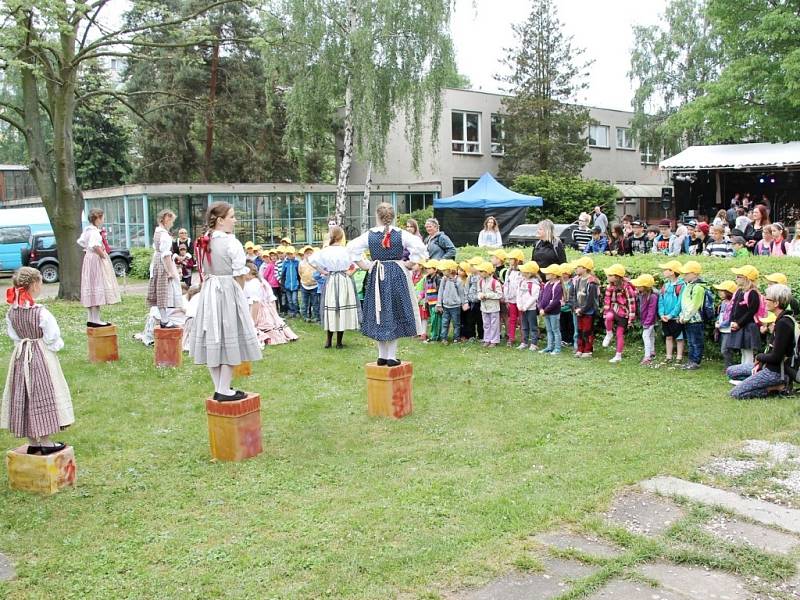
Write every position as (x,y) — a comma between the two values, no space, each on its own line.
(103,345)
(244,369)
(234,428)
(389,390)
(40,474)
(168,346)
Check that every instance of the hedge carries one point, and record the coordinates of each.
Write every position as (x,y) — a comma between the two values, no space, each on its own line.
(140,265)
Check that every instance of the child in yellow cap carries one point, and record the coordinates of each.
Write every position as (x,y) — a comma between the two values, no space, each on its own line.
(289,276)
(587,290)
(747,302)
(691,313)
(647,309)
(550,308)
(418,281)
(567,319)
(472,327)
(527,297)
(463,273)
(722,326)
(452,299)
(510,287)
(432,282)
(669,308)
(308,287)
(619,308)
(490,291)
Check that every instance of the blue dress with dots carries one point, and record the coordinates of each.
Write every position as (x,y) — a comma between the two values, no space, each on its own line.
(397,309)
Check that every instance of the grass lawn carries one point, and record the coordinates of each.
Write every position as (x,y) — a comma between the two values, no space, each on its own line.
(501,444)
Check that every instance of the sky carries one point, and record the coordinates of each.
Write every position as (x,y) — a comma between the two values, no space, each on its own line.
(481,29)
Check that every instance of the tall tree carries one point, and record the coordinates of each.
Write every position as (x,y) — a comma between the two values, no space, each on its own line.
(102,133)
(43,45)
(366,61)
(756,96)
(671,64)
(546,128)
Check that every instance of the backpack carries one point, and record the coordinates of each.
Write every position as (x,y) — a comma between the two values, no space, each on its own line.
(762,307)
(707,311)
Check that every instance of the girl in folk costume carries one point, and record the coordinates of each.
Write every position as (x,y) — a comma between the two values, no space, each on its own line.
(36,401)
(270,328)
(223,333)
(390,310)
(339,298)
(164,291)
(98,281)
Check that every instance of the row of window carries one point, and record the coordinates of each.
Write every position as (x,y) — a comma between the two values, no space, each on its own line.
(466,136)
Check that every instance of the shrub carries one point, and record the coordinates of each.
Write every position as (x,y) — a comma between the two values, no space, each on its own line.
(140,265)
(565,197)
(420,216)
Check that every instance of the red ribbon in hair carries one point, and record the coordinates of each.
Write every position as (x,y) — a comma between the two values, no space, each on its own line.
(387,239)
(202,249)
(104,237)
(19,296)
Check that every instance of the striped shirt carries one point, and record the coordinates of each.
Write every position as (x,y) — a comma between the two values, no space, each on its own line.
(721,249)
(581,237)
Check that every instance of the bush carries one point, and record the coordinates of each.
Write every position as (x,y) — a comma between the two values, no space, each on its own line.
(420,216)
(140,265)
(565,197)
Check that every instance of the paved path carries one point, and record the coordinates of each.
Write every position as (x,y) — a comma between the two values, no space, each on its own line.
(6,569)
(134,287)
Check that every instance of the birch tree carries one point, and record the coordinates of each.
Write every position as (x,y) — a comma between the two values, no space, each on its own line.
(363,61)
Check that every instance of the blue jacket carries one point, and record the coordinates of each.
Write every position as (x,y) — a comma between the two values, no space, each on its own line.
(288,276)
(596,246)
(669,301)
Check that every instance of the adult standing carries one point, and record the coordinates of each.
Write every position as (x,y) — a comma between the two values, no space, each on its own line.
(769,368)
(390,306)
(490,237)
(223,333)
(183,240)
(164,291)
(439,245)
(600,219)
(98,281)
(548,249)
(582,235)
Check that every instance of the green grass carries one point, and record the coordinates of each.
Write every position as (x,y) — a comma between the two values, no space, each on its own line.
(501,444)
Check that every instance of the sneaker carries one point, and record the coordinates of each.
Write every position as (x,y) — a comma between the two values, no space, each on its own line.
(545,351)
(457,341)
(492,345)
(485,344)
(617,358)
(522,346)
(556,351)
(607,339)
(565,344)
(586,355)
(445,343)
(533,348)
(646,362)
(577,354)
(691,366)
(734,381)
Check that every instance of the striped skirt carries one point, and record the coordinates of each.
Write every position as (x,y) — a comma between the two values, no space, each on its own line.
(163,292)
(340,307)
(36,400)
(98,281)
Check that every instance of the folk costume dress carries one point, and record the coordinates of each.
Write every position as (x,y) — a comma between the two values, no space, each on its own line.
(162,292)
(223,332)
(98,281)
(270,328)
(390,305)
(36,400)
(340,307)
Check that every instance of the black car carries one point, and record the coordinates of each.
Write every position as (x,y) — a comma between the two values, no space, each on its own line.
(42,254)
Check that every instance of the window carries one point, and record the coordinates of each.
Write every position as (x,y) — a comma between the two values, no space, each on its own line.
(15,235)
(624,138)
(598,136)
(649,157)
(498,134)
(47,242)
(466,132)
(625,182)
(418,201)
(461,184)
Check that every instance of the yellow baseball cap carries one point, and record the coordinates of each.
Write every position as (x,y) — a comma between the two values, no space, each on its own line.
(586,262)
(567,268)
(290,250)
(644,280)
(692,267)
(464,266)
(768,318)
(672,265)
(475,261)
(286,241)
(516,254)
(431,264)
(486,267)
(748,271)
(777,278)
(727,286)
(448,265)
(530,267)
(248,245)
(303,251)
(280,248)
(553,269)
(616,269)
(499,253)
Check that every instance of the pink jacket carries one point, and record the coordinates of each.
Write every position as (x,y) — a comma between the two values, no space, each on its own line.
(268,274)
(528,294)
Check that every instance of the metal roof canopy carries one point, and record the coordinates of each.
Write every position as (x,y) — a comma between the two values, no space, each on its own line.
(735,157)
(642,190)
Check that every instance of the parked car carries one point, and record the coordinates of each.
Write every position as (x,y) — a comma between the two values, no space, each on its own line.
(16,227)
(42,254)
(528,234)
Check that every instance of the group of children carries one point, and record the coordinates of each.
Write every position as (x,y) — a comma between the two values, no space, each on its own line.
(477,298)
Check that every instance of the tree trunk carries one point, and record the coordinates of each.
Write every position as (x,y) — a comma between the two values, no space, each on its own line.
(347,156)
(212,98)
(365,200)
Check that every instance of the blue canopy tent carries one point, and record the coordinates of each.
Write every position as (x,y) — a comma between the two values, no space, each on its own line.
(461,216)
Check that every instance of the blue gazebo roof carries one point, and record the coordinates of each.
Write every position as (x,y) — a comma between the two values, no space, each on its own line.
(487,192)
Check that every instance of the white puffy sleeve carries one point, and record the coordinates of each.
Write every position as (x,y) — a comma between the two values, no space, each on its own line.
(252,291)
(238,258)
(90,238)
(358,246)
(165,244)
(51,333)
(317,260)
(417,250)
(11,332)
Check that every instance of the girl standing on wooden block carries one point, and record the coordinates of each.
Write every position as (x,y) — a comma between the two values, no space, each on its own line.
(164,291)
(390,306)
(223,333)
(98,281)
(339,299)
(36,401)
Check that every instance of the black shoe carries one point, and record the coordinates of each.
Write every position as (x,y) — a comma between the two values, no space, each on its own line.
(58,447)
(327,345)
(35,450)
(381,362)
(235,397)
(165,325)
(339,346)
(93,324)
(393,362)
